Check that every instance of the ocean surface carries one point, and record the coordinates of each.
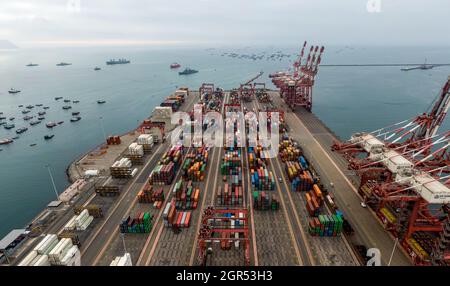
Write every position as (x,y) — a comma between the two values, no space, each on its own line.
(347,99)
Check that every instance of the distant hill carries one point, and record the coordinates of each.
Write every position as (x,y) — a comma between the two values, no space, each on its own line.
(7,45)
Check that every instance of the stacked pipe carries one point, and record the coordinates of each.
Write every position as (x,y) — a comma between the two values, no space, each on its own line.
(94,210)
(146,141)
(230,195)
(79,222)
(195,165)
(164,172)
(265,201)
(326,225)
(122,260)
(141,223)
(186,196)
(173,218)
(122,169)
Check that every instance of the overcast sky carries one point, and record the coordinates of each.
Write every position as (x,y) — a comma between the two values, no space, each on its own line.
(218,22)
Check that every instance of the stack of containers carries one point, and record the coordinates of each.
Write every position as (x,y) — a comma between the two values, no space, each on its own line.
(186,196)
(195,165)
(265,201)
(172,218)
(122,260)
(172,103)
(231,160)
(288,151)
(113,140)
(230,195)
(303,182)
(262,180)
(150,196)
(122,169)
(141,223)
(164,172)
(326,225)
(146,141)
(83,220)
(293,169)
(58,253)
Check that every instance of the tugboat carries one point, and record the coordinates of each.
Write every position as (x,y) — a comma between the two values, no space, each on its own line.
(48,137)
(188,71)
(13,91)
(75,113)
(58,98)
(117,62)
(9,126)
(21,130)
(97,68)
(101,101)
(175,65)
(62,64)
(32,65)
(5,141)
(66,107)
(50,124)
(75,119)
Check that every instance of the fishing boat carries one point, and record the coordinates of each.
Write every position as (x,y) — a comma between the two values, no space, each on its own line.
(2,117)
(9,126)
(76,101)
(48,137)
(21,130)
(25,111)
(175,65)
(46,107)
(15,138)
(60,122)
(97,68)
(5,141)
(58,97)
(20,105)
(11,118)
(76,113)
(188,71)
(101,101)
(32,123)
(34,144)
(41,118)
(30,106)
(50,124)
(39,105)
(75,119)
(26,118)
(13,91)
(67,100)
(66,107)
(42,113)
(2,123)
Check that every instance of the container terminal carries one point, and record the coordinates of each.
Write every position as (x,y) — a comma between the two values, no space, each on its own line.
(136,199)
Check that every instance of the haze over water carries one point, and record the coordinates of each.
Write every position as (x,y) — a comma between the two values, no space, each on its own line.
(347,99)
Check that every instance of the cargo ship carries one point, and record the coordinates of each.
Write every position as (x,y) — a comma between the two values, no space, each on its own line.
(5,141)
(175,65)
(13,91)
(188,71)
(117,62)
(62,64)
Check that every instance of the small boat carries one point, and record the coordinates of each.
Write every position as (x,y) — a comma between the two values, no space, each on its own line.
(41,118)
(32,65)
(15,138)
(67,100)
(9,126)
(46,107)
(32,123)
(42,113)
(175,65)
(62,64)
(188,71)
(66,107)
(50,124)
(40,104)
(21,105)
(75,119)
(58,98)
(2,117)
(11,118)
(25,111)
(26,118)
(76,101)
(48,137)
(34,144)
(76,113)
(60,122)
(5,141)
(30,106)
(21,130)
(101,101)
(13,91)
(2,123)
(97,69)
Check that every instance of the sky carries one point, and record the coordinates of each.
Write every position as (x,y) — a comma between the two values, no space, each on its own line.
(29,23)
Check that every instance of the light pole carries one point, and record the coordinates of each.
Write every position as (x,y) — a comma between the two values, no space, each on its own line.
(393,250)
(53,182)
(103,129)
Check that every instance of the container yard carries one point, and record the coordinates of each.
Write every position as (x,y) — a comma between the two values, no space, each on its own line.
(237,205)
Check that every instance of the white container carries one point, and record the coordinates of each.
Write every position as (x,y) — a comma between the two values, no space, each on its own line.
(70,225)
(71,256)
(59,251)
(86,223)
(47,245)
(42,261)
(125,260)
(134,172)
(28,259)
